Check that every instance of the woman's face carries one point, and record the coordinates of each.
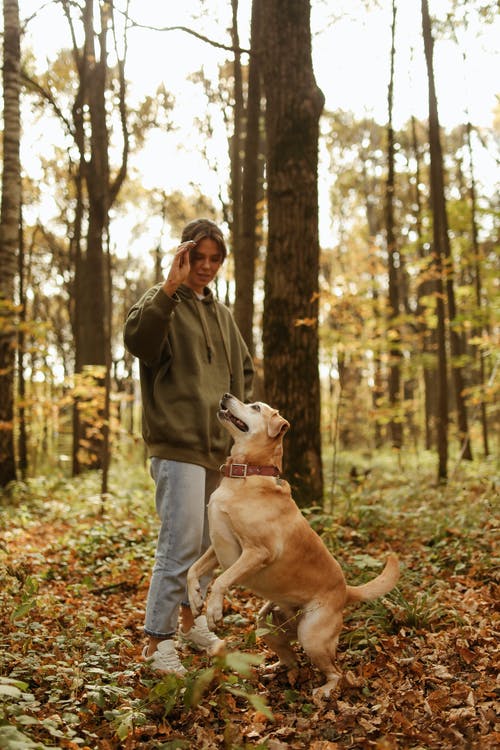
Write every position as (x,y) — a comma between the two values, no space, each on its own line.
(204,260)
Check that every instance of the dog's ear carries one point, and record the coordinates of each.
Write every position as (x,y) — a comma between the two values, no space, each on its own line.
(277,425)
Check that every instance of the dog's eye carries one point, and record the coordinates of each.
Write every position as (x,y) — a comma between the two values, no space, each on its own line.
(256,407)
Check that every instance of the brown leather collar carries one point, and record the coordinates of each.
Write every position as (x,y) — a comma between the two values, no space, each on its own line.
(239,471)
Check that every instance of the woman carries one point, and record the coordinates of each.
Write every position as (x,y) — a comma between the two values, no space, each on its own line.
(191,353)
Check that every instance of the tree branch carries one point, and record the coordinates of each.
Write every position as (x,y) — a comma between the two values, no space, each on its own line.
(186,30)
(48,97)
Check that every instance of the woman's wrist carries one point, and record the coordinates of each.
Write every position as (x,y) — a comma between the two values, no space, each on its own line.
(169,287)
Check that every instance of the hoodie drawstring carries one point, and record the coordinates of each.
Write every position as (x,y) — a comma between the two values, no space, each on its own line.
(204,327)
(208,340)
(224,343)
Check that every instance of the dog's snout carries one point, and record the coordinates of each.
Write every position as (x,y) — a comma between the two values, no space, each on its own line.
(225,398)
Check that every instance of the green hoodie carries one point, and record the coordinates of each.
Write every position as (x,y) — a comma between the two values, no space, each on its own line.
(191,353)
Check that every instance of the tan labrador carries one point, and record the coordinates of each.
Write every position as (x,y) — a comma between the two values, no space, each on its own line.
(263,542)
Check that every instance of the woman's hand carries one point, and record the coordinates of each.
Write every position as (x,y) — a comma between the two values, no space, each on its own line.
(179,270)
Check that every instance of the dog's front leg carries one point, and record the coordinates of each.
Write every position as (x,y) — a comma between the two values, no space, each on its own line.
(249,562)
(205,564)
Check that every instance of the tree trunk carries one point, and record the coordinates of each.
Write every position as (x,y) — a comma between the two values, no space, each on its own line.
(290,327)
(236,141)
(424,288)
(439,232)
(439,208)
(378,390)
(95,195)
(396,427)
(10,212)
(476,254)
(22,441)
(246,252)
(92,349)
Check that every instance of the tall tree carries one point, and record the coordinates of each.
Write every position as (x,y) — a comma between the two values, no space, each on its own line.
(246,250)
(395,353)
(487,12)
(10,212)
(96,189)
(441,235)
(237,137)
(290,326)
(424,288)
(477,258)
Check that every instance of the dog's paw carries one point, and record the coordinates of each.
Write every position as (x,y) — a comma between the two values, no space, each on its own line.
(214,615)
(330,686)
(195,599)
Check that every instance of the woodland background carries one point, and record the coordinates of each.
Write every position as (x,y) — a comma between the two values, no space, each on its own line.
(379,345)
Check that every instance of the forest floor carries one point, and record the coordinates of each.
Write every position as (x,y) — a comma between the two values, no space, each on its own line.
(420,666)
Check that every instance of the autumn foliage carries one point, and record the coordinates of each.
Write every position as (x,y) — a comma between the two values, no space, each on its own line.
(419,665)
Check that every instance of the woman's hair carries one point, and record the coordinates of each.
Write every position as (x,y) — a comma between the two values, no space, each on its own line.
(200,229)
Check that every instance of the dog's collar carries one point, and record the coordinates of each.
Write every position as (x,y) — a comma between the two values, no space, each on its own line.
(239,471)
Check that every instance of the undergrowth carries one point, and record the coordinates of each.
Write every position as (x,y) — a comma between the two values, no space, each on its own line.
(74,569)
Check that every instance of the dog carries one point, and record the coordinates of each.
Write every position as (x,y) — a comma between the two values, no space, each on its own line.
(264,543)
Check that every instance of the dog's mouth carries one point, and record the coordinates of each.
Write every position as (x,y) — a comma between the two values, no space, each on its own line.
(225,414)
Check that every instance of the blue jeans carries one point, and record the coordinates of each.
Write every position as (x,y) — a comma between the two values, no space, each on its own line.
(182,494)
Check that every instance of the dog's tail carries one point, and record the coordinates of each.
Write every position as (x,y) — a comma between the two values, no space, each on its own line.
(379,586)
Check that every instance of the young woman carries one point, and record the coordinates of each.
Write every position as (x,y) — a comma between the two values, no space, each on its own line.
(191,353)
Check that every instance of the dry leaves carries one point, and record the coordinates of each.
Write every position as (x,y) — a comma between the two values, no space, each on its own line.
(420,671)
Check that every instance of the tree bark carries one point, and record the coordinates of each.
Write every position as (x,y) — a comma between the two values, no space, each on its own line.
(95,192)
(396,427)
(10,212)
(439,233)
(424,288)
(246,252)
(236,141)
(22,441)
(290,326)
(477,270)
(439,215)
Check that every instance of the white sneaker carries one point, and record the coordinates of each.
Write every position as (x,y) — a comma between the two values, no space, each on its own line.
(165,658)
(201,638)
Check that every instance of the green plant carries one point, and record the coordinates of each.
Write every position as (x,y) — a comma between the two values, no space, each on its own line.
(16,715)
(423,612)
(230,674)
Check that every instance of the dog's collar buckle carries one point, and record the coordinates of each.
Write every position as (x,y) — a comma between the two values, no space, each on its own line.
(240,471)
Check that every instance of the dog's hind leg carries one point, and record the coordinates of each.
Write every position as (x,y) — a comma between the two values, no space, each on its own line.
(318,633)
(278,629)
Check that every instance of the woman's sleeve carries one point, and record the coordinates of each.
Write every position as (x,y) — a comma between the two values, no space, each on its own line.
(146,326)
